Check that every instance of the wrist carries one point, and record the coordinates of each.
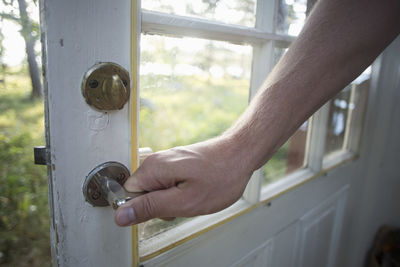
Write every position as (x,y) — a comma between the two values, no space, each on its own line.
(260,131)
(237,148)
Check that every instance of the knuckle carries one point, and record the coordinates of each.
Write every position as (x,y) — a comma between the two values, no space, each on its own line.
(149,160)
(148,166)
(148,208)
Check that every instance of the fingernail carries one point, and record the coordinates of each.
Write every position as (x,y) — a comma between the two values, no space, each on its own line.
(126,216)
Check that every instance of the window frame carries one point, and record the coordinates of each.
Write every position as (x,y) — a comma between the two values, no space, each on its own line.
(263,39)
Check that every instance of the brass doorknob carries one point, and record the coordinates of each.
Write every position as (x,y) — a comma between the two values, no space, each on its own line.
(106,86)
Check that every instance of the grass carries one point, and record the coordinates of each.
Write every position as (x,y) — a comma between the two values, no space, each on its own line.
(185,110)
(24,215)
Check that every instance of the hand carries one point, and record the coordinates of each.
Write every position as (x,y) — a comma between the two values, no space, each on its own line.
(187,181)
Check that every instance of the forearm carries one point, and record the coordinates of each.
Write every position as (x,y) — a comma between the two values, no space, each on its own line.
(339,40)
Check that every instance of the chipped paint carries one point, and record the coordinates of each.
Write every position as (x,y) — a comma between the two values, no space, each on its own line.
(97,121)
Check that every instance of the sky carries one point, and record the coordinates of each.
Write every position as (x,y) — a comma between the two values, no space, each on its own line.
(13,42)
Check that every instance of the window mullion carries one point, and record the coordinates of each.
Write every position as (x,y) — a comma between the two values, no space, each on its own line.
(355,122)
(262,65)
(349,138)
(166,24)
(317,133)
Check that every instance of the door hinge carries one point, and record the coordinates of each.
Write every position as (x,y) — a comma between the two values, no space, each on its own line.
(41,155)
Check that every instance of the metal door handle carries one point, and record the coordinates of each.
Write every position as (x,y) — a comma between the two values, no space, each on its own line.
(103,185)
(115,193)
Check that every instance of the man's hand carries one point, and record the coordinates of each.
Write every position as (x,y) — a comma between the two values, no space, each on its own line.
(198,179)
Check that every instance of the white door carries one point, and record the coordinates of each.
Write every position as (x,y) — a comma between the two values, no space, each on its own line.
(293,211)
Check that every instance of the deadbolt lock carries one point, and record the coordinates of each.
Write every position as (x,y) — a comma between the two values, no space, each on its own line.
(106,86)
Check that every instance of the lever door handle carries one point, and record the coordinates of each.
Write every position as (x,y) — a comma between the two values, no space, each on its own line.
(104,185)
(115,193)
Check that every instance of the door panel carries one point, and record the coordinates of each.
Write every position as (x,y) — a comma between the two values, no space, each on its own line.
(79,34)
(261,256)
(284,248)
(318,232)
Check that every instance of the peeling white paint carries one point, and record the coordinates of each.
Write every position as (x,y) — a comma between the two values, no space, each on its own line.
(97,121)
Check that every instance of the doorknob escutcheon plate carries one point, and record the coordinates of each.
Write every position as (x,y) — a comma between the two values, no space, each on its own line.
(112,170)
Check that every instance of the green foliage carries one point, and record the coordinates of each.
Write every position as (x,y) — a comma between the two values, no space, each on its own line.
(1,47)
(24,215)
(185,110)
(276,167)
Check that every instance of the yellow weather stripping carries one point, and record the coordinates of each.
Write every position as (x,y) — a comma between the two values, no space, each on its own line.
(135,23)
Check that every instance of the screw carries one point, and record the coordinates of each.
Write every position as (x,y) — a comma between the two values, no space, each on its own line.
(93,83)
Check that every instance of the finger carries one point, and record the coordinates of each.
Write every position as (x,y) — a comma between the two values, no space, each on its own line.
(157,204)
(155,173)
(132,184)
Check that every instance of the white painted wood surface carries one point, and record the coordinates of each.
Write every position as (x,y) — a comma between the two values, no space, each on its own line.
(238,240)
(318,232)
(160,23)
(78,34)
(316,138)
(375,190)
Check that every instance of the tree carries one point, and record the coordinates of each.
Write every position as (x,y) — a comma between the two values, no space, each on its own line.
(29,31)
(2,65)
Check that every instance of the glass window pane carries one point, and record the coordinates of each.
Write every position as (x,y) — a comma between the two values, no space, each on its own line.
(190,90)
(338,114)
(288,158)
(346,114)
(278,54)
(291,16)
(240,12)
(358,105)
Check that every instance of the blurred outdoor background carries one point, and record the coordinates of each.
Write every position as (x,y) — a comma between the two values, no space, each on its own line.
(24,215)
(191,90)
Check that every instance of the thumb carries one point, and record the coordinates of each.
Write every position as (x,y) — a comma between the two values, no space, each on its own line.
(157,204)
